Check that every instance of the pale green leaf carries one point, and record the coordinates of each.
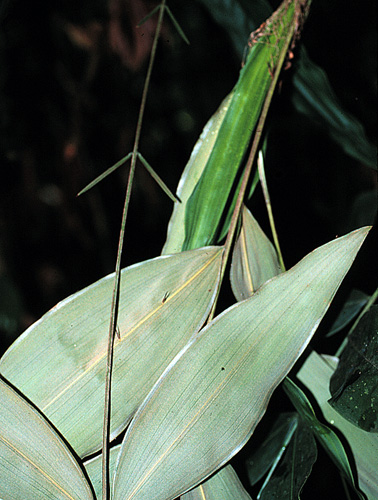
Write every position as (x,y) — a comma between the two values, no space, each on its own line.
(59,362)
(94,469)
(316,374)
(191,175)
(34,461)
(224,485)
(254,258)
(209,400)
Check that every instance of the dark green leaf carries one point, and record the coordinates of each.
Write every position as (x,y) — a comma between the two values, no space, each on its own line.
(325,435)
(353,305)
(293,470)
(276,442)
(354,385)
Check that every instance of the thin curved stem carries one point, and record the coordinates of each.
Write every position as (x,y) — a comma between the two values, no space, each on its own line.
(117,276)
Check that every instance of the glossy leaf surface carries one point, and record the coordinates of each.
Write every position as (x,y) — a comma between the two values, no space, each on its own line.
(208,402)
(34,461)
(354,385)
(315,374)
(59,362)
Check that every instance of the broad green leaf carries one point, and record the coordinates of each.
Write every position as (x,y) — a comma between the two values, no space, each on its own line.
(94,469)
(315,374)
(259,463)
(208,402)
(353,305)
(291,473)
(354,385)
(254,258)
(224,485)
(191,175)
(59,362)
(206,206)
(313,94)
(34,461)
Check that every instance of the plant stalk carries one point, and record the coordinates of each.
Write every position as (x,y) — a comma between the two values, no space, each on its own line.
(117,276)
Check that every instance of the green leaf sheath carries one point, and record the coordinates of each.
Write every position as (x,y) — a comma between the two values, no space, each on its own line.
(206,205)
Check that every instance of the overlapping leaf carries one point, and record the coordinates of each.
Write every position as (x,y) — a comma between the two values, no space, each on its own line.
(225,485)
(34,461)
(59,362)
(254,258)
(191,175)
(94,469)
(210,399)
(315,374)
(289,476)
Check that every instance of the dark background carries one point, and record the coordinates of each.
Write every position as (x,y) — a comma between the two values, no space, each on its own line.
(70,86)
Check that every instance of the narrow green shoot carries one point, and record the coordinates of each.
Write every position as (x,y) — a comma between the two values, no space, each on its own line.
(158,179)
(176,25)
(264,186)
(149,15)
(107,172)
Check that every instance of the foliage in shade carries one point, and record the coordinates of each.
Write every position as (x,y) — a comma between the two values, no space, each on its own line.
(313,95)
(352,306)
(354,385)
(315,374)
(59,362)
(291,473)
(34,461)
(209,400)
(265,456)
